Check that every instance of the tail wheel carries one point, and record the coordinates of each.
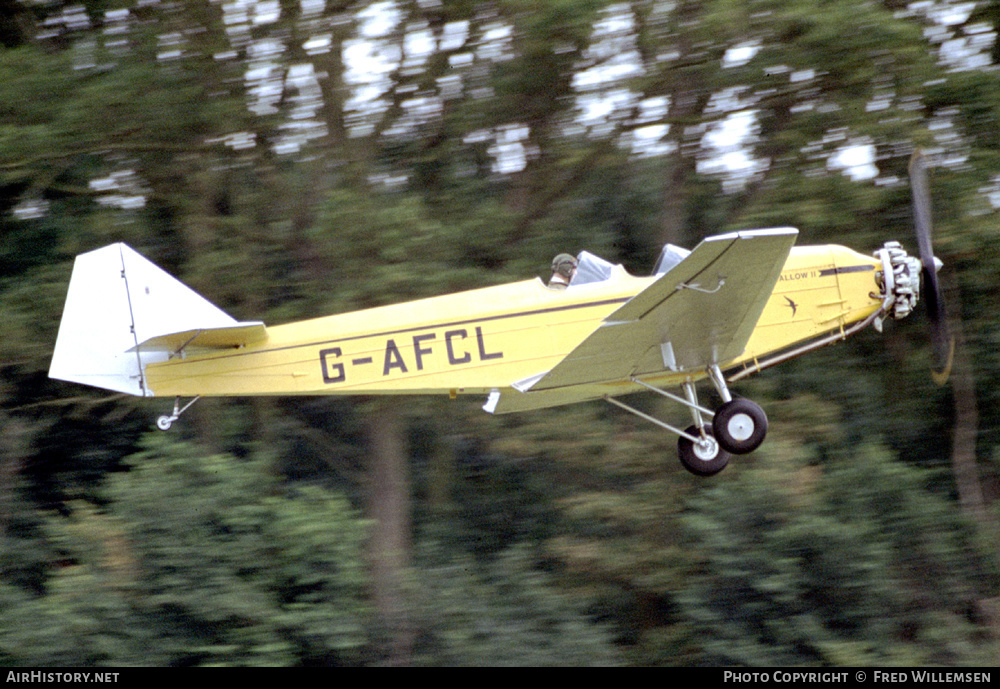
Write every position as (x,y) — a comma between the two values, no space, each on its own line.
(703,458)
(740,426)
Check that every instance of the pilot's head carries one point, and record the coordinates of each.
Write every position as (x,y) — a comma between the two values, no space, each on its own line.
(564,265)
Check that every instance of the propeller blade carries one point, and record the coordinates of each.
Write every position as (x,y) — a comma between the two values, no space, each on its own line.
(921,210)
(944,344)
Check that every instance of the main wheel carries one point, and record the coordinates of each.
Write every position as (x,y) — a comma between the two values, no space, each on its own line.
(706,458)
(740,426)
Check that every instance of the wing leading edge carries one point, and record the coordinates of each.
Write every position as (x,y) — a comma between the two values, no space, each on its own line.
(700,313)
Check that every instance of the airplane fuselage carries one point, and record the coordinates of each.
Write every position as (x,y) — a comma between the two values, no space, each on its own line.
(505,334)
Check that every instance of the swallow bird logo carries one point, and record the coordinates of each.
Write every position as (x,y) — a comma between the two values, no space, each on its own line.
(795,307)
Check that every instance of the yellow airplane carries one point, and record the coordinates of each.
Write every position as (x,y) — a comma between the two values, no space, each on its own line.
(737,303)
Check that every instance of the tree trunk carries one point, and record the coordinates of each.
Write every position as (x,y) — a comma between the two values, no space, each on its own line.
(673,211)
(963,455)
(389,508)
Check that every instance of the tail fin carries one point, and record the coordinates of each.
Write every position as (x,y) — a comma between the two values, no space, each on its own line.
(119,314)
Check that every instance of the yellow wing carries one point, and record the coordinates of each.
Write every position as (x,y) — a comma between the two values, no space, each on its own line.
(700,313)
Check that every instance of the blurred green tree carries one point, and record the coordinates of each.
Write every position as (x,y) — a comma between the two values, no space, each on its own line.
(197,560)
(864,567)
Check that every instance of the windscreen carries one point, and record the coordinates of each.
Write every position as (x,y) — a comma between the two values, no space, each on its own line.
(669,257)
(590,269)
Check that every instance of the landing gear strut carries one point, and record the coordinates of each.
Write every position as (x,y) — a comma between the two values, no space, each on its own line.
(737,427)
(739,424)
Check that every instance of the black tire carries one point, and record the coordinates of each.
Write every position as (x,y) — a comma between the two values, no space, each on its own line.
(740,426)
(698,460)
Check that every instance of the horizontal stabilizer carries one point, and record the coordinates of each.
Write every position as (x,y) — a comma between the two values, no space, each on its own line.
(229,337)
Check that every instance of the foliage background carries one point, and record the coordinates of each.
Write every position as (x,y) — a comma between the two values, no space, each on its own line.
(292,159)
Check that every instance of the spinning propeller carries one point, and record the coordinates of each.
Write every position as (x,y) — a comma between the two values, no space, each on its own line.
(944,343)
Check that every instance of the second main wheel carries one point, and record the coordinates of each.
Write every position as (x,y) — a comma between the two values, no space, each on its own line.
(740,426)
(705,458)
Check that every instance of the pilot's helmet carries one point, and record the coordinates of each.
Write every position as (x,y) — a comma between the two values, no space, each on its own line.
(564,265)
